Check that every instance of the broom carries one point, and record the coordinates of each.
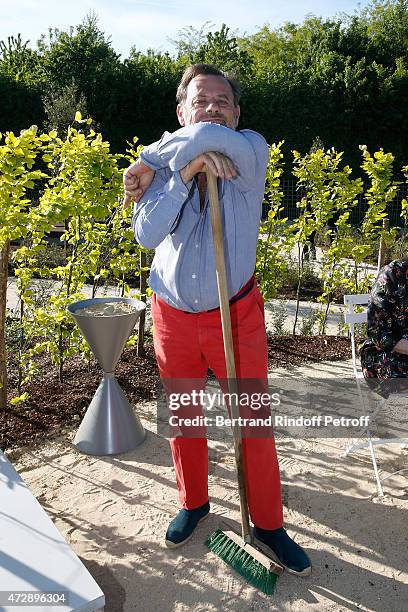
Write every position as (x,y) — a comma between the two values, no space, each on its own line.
(237,551)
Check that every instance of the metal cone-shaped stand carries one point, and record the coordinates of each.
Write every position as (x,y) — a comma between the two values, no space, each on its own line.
(110,425)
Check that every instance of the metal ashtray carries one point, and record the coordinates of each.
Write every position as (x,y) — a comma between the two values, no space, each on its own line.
(110,425)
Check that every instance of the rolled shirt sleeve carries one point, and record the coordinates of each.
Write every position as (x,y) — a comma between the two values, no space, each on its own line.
(157,214)
(247,150)
(171,218)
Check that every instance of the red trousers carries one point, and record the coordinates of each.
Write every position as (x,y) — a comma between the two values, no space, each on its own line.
(186,345)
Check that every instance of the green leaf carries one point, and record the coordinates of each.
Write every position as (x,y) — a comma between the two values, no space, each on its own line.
(19,399)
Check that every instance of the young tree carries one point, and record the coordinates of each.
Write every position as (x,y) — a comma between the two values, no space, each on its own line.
(61,105)
(18,155)
(83,56)
(20,86)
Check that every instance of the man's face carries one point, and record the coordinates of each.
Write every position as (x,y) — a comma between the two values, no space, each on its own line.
(209,98)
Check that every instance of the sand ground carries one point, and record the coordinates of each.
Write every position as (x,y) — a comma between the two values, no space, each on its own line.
(114,512)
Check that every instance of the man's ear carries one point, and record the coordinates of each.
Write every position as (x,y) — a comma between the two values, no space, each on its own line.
(180,117)
(237,113)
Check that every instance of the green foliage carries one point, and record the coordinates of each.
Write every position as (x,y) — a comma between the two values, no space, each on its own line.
(148,95)
(83,191)
(330,196)
(20,87)
(382,190)
(338,79)
(83,55)
(343,79)
(76,181)
(13,332)
(399,247)
(278,318)
(308,323)
(190,39)
(60,107)
(19,174)
(222,49)
(274,244)
(18,60)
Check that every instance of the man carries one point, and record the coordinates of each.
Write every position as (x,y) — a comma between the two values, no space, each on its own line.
(172,215)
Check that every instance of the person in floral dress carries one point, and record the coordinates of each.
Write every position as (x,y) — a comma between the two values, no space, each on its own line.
(384,355)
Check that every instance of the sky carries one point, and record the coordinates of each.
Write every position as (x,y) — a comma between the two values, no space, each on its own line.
(153,23)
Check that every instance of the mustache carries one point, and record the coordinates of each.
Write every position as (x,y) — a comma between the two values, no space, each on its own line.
(213,117)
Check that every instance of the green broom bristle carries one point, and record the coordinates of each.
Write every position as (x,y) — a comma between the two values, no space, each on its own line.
(242,562)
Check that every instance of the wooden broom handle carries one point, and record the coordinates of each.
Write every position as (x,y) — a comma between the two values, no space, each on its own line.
(216,225)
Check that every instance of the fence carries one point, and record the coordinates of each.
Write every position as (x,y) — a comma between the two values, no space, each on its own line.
(292,194)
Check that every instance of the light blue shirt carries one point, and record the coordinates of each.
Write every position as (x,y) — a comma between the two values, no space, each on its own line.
(168,217)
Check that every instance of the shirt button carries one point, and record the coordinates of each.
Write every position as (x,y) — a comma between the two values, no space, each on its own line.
(194,276)
(195,301)
(196,246)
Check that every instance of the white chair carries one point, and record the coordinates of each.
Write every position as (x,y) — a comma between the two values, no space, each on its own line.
(352,318)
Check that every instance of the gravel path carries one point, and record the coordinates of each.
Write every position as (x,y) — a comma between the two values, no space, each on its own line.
(114,512)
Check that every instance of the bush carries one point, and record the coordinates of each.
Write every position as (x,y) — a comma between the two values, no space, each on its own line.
(289,277)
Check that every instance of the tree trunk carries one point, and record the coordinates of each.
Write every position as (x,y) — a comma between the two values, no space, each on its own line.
(300,275)
(382,251)
(20,346)
(4,258)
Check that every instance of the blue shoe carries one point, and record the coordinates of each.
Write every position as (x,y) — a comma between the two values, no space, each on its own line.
(285,550)
(182,526)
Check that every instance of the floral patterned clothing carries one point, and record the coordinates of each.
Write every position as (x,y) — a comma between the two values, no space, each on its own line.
(387,324)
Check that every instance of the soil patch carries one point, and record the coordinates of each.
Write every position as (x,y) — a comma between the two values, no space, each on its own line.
(284,351)
(53,406)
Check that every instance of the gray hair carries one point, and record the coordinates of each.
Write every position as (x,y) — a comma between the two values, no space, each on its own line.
(195,70)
